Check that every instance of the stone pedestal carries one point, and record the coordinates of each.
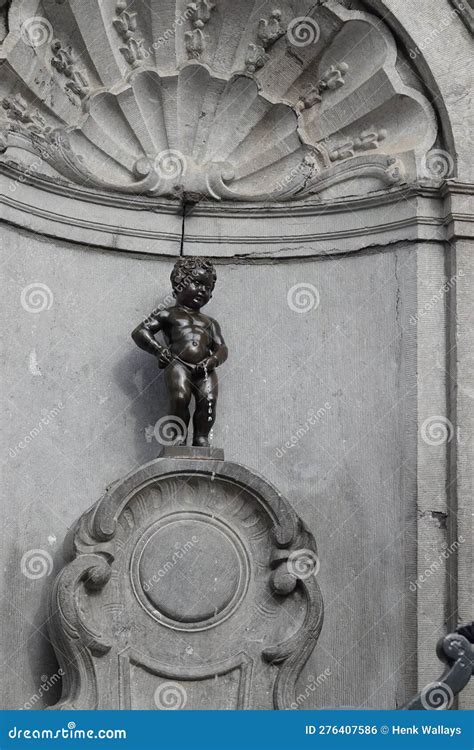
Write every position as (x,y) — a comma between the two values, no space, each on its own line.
(192,584)
(203,454)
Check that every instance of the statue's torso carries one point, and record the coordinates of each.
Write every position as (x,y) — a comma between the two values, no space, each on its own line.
(188,334)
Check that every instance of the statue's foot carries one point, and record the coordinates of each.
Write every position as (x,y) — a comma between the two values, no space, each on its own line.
(179,443)
(201,442)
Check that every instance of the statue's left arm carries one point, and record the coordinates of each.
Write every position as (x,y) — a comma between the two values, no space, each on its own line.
(220,351)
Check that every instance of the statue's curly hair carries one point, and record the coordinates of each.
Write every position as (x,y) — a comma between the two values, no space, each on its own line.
(185,269)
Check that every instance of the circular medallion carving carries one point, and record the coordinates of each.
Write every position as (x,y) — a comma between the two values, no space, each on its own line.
(190,570)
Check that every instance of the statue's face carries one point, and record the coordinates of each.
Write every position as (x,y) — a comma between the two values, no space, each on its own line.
(198,290)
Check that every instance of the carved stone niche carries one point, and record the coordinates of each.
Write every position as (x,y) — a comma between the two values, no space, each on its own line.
(191,585)
(227,101)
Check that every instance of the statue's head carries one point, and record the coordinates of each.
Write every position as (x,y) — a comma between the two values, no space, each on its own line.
(193,281)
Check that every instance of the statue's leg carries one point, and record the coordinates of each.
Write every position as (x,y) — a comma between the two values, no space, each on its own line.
(206,392)
(179,389)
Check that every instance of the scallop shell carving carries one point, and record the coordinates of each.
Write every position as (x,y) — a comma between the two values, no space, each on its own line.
(222,100)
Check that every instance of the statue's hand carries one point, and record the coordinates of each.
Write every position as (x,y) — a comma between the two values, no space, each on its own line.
(164,358)
(208,364)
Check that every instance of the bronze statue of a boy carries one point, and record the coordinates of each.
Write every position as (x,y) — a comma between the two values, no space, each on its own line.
(194,348)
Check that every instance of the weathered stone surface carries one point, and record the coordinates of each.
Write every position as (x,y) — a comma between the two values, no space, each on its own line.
(203,454)
(243,107)
(390,350)
(192,585)
(342,466)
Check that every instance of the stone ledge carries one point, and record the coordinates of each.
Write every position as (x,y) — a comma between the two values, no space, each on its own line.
(306,229)
(202,454)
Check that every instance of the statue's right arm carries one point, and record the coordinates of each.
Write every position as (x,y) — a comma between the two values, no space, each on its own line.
(144,335)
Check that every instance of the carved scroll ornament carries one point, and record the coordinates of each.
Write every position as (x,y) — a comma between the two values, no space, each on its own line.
(190,580)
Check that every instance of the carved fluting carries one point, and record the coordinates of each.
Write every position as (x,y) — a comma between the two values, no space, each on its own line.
(213,118)
(368,140)
(191,588)
(395,171)
(23,117)
(194,43)
(199,14)
(271,30)
(255,58)
(64,62)
(125,23)
(331,80)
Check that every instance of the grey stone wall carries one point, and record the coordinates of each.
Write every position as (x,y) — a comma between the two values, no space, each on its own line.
(323,403)
(334,405)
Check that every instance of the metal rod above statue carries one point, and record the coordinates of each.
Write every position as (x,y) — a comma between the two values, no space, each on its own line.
(194,349)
